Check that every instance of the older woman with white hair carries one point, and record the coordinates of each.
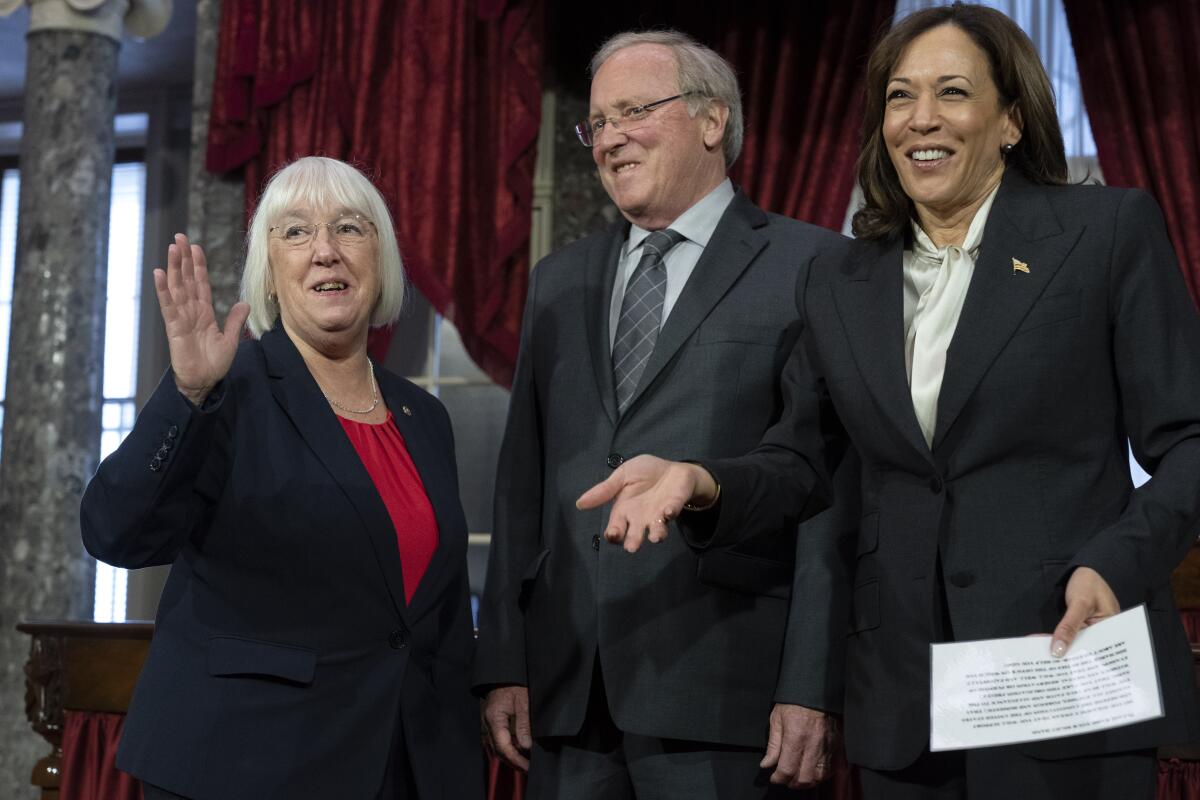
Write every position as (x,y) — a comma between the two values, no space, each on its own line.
(314,634)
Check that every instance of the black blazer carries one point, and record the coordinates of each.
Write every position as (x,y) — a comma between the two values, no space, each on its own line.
(284,654)
(1050,373)
(692,646)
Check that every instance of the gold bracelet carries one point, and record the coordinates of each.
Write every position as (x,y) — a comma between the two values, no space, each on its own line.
(708,506)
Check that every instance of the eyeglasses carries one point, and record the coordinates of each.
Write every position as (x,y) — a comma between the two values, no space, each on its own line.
(589,130)
(349,230)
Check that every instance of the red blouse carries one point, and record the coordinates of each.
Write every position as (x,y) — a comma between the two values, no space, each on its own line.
(384,454)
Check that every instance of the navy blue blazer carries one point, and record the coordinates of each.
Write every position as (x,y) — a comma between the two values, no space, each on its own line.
(284,655)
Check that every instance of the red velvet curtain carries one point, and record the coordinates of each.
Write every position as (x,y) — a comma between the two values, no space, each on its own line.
(801,68)
(439,101)
(1139,69)
(89,771)
(502,781)
(1178,780)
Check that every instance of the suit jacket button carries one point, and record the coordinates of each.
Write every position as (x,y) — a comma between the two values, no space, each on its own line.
(595,542)
(935,485)
(397,640)
(163,452)
(156,464)
(962,580)
(614,460)
(172,431)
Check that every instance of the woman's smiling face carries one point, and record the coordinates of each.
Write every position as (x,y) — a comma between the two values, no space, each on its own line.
(943,123)
(327,287)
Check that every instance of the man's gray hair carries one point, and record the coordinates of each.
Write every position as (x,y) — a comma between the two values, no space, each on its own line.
(700,70)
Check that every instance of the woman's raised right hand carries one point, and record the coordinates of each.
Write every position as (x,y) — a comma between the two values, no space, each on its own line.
(201,353)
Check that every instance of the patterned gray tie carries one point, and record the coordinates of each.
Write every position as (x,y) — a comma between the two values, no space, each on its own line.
(641,315)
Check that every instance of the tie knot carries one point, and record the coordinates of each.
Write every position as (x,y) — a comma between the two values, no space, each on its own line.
(661,242)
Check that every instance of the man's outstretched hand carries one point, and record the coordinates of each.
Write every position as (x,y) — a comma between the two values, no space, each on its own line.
(647,491)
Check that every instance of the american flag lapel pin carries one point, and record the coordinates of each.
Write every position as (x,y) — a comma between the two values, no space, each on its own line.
(1019,266)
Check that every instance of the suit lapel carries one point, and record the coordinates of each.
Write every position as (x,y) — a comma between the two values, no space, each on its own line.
(1022,226)
(431,464)
(297,393)
(600,274)
(734,244)
(870,304)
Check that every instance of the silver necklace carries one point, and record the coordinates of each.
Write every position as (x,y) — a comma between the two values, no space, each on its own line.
(374,395)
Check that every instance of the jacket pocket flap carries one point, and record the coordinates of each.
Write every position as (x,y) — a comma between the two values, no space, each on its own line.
(743,334)
(742,573)
(230,655)
(868,534)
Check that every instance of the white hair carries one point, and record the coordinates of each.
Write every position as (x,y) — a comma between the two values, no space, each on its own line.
(319,182)
(701,71)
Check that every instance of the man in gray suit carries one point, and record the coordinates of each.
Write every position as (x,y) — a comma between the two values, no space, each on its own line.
(669,672)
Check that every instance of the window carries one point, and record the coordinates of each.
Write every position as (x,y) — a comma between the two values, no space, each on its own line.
(9,191)
(120,348)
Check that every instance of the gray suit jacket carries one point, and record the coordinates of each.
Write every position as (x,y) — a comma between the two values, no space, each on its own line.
(691,643)
(1051,372)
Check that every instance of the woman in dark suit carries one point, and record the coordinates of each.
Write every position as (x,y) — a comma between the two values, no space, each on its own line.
(314,635)
(991,344)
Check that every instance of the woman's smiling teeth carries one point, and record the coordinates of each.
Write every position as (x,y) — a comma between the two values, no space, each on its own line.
(929,155)
(330,286)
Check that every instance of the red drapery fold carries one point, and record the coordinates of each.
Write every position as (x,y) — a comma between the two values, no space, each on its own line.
(1178,780)
(89,769)
(503,782)
(439,102)
(801,69)
(1190,617)
(1139,69)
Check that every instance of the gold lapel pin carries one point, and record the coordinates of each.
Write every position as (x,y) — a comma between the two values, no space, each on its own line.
(406,411)
(1020,266)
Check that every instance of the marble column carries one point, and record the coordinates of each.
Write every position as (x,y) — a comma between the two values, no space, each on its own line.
(216,203)
(56,346)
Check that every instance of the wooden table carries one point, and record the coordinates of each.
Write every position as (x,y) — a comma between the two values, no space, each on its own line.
(81,666)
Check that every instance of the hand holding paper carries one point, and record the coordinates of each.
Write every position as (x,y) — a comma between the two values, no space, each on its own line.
(1089,600)
(1006,691)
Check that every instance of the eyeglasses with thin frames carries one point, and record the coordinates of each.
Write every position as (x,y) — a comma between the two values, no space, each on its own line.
(348,230)
(589,130)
